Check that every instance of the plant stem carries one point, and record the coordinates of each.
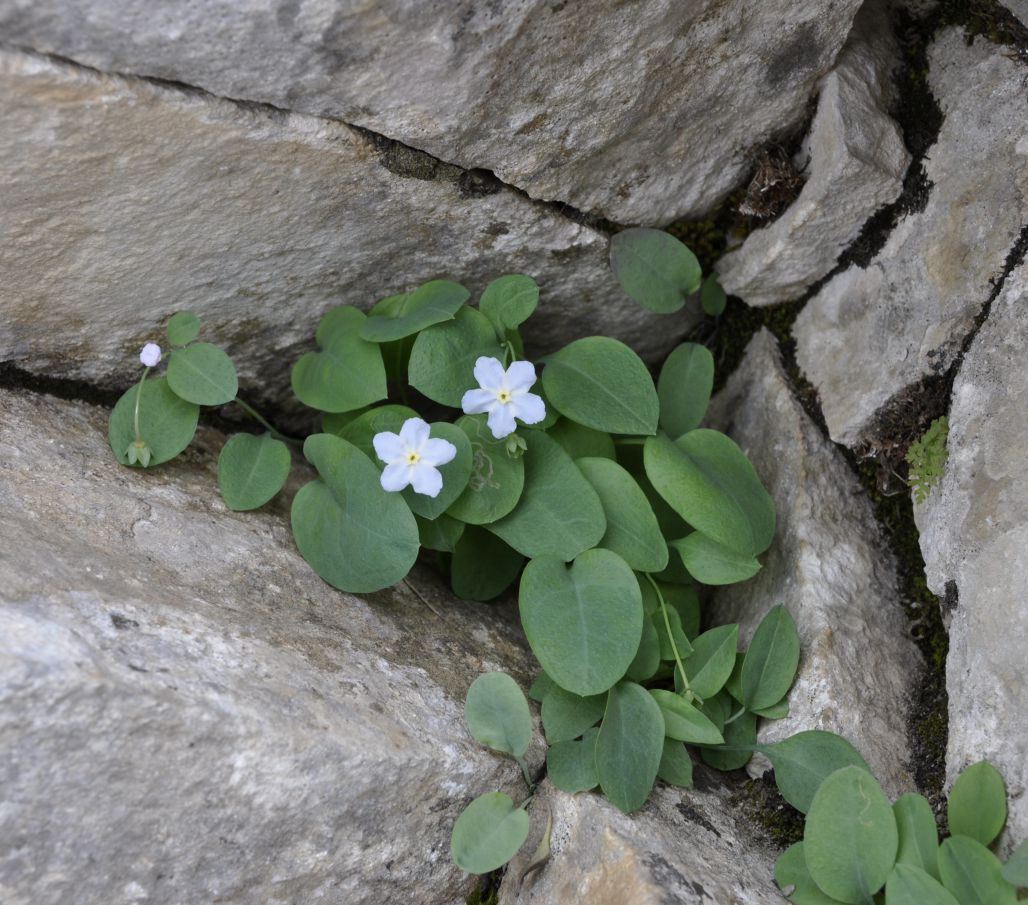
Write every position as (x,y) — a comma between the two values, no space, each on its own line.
(528,778)
(509,352)
(253,413)
(738,713)
(687,692)
(139,394)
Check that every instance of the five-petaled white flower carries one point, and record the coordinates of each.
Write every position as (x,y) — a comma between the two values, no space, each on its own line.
(412,457)
(504,395)
(151,355)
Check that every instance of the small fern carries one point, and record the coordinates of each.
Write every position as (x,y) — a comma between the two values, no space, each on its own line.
(927,459)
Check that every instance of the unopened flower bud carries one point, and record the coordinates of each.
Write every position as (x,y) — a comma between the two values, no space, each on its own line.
(151,355)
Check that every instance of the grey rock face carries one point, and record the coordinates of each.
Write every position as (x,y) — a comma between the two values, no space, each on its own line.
(684,846)
(1019,8)
(124,202)
(640,112)
(857,162)
(831,570)
(974,534)
(188,714)
(872,332)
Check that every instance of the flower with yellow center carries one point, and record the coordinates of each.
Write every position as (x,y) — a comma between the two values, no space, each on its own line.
(504,395)
(412,457)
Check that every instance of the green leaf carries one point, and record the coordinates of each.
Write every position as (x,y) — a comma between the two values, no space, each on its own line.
(183,328)
(667,652)
(432,303)
(395,354)
(601,383)
(1015,871)
(559,513)
(771,660)
(686,603)
(683,388)
(718,709)
(203,374)
(541,687)
(583,623)
(630,746)
(440,534)
(456,473)
(909,885)
(712,563)
(497,479)
(488,834)
(711,484)
(334,422)
(647,657)
(251,470)
(683,722)
(357,536)
(712,296)
(567,716)
(509,301)
(483,566)
(734,684)
(497,714)
(442,361)
(675,764)
(978,803)
(791,871)
(362,429)
(712,659)
(632,529)
(973,874)
(348,372)
(580,441)
(778,711)
(166,421)
(804,760)
(571,765)
(654,268)
(918,835)
(740,732)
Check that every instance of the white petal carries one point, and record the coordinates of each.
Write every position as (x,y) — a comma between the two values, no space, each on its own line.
(151,355)
(489,373)
(501,421)
(477,401)
(520,375)
(529,408)
(426,480)
(396,477)
(438,452)
(388,446)
(414,433)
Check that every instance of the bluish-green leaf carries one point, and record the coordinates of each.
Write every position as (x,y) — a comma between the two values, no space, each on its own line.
(483,566)
(251,470)
(804,760)
(566,716)
(973,874)
(456,473)
(978,803)
(571,765)
(712,296)
(654,268)
(509,301)
(675,764)
(791,873)
(741,732)
(580,441)
(712,563)
(910,885)
(440,534)
(442,361)
(488,834)
(183,328)
(362,429)
(683,388)
(684,722)
(918,834)
(712,659)
(203,374)
(647,657)
(166,421)
(1015,871)
(497,478)
(771,660)
(630,746)
(432,303)
(541,687)
(497,714)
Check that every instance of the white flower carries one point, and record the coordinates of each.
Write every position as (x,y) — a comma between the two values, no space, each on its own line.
(412,457)
(151,355)
(504,395)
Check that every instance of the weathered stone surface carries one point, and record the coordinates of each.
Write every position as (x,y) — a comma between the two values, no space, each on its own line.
(829,567)
(974,535)
(871,332)
(188,714)
(641,112)
(1019,8)
(857,162)
(687,846)
(124,201)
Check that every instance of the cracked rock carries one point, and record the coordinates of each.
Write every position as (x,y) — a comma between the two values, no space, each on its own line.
(857,162)
(874,331)
(974,534)
(831,569)
(188,714)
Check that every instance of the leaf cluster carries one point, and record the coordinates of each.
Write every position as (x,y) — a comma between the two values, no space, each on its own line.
(926,459)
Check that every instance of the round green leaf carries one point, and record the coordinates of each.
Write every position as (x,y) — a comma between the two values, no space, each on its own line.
(683,722)
(348,372)
(442,361)
(1015,871)
(710,483)
(583,622)
(804,760)
(497,714)
(488,834)
(483,566)
(356,536)
(456,473)
(362,429)
(978,803)
(601,383)
(541,687)
(712,296)
(566,715)
(432,303)
(909,885)
(683,388)
(771,660)
(509,301)
(440,534)
(740,733)
(580,441)
(497,478)
(654,268)
(918,835)
(647,657)
(973,874)
(166,421)
(850,838)
(251,470)
(629,746)
(791,872)
(675,764)
(203,374)
(183,328)
(632,529)
(571,765)
(559,513)
(712,660)
(712,563)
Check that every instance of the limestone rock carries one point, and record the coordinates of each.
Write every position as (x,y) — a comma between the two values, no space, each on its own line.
(125,201)
(829,567)
(872,332)
(688,846)
(857,162)
(640,112)
(188,714)
(974,534)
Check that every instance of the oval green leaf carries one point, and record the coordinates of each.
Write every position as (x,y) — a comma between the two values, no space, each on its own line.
(566,715)
(251,470)
(483,566)
(166,421)
(918,834)
(629,746)
(973,874)
(571,765)
(978,803)
(442,361)
(497,714)
(712,563)
(683,722)
(580,441)
(740,733)
(791,872)
(488,834)
(497,479)
(1015,871)
(509,301)
(183,328)
(909,885)
(432,303)
(803,761)
(683,388)
(440,534)
(203,374)
(771,660)
(675,764)
(712,296)
(654,268)
(712,660)
(647,657)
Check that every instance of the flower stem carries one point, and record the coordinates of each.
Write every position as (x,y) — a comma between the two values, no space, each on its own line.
(139,395)
(258,417)
(509,352)
(687,692)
